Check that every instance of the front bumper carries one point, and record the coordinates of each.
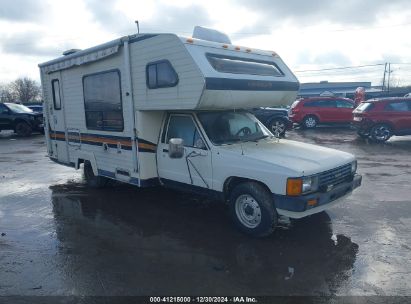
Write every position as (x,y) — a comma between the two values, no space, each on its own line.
(298,206)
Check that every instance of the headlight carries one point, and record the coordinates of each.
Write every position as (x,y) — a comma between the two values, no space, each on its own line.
(301,185)
(310,183)
(353,167)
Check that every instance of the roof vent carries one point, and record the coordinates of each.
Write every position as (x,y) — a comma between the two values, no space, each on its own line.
(70,51)
(204,33)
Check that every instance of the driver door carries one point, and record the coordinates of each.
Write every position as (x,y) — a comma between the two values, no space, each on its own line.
(194,168)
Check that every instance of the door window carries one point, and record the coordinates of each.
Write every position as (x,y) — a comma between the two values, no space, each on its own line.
(397,106)
(320,104)
(181,126)
(344,104)
(3,109)
(56,94)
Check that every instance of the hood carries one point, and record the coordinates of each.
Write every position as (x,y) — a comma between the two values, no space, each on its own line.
(302,158)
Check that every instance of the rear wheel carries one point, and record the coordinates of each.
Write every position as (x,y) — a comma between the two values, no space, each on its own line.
(252,209)
(277,126)
(310,122)
(23,129)
(381,133)
(91,179)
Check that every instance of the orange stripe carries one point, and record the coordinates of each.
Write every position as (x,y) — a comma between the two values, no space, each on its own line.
(146,146)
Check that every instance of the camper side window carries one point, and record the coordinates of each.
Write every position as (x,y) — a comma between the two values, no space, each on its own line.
(56,94)
(161,74)
(102,101)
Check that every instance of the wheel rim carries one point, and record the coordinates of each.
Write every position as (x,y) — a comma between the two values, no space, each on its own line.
(278,127)
(248,211)
(310,122)
(381,133)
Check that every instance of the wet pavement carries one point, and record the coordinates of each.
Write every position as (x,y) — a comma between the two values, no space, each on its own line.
(59,237)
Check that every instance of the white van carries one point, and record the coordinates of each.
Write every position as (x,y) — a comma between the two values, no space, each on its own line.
(158,109)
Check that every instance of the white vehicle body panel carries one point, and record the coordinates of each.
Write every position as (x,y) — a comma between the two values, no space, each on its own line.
(137,154)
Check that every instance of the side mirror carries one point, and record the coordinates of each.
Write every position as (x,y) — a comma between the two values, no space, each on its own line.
(176,148)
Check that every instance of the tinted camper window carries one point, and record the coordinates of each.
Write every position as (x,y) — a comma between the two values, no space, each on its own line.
(102,101)
(161,74)
(236,65)
(56,94)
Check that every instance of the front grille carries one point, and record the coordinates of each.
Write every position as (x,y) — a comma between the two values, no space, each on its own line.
(335,176)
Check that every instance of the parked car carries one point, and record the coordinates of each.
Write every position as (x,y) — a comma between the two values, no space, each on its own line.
(36,108)
(382,118)
(20,119)
(309,112)
(275,119)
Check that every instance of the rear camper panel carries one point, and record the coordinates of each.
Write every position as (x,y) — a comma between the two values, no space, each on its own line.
(242,78)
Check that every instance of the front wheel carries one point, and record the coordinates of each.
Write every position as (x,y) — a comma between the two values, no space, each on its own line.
(277,126)
(381,133)
(23,129)
(252,209)
(91,179)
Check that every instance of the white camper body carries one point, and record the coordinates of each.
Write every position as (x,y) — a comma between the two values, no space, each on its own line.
(199,87)
(115,107)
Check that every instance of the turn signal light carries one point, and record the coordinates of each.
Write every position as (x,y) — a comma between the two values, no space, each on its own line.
(294,186)
(190,40)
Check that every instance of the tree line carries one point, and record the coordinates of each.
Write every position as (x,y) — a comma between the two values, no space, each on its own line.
(21,90)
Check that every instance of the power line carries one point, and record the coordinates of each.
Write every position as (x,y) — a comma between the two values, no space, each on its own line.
(341,68)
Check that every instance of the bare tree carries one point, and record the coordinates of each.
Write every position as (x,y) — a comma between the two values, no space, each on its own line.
(25,90)
(5,94)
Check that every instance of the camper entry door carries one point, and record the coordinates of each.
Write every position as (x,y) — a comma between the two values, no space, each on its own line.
(58,133)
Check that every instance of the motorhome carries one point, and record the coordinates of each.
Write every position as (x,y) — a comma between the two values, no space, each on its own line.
(159,109)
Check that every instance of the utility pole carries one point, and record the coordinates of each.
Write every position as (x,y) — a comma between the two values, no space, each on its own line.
(383,78)
(389,75)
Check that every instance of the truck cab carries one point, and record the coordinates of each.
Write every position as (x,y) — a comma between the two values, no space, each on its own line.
(232,156)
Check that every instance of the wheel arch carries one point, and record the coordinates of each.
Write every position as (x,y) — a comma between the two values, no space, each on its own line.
(19,120)
(231,182)
(313,115)
(83,157)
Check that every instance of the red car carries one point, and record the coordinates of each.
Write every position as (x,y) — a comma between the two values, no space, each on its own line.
(383,117)
(309,112)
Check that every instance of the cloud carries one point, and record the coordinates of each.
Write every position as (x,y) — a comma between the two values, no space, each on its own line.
(21,10)
(348,12)
(108,15)
(167,18)
(29,44)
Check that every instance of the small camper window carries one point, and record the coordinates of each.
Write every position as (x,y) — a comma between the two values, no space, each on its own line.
(56,94)
(161,74)
(102,101)
(237,65)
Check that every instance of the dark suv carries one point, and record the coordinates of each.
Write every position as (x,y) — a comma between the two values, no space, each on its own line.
(275,119)
(309,112)
(20,119)
(382,118)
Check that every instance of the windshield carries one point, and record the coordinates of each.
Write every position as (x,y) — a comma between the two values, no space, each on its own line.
(17,108)
(227,127)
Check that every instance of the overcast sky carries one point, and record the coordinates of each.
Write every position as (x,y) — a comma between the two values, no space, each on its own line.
(308,35)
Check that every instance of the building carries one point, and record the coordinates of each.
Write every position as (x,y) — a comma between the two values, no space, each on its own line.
(343,89)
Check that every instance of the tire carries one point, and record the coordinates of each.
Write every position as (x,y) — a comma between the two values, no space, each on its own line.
(362,135)
(91,179)
(381,133)
(277,125)
(252,209)
(23,129)
(310,122)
